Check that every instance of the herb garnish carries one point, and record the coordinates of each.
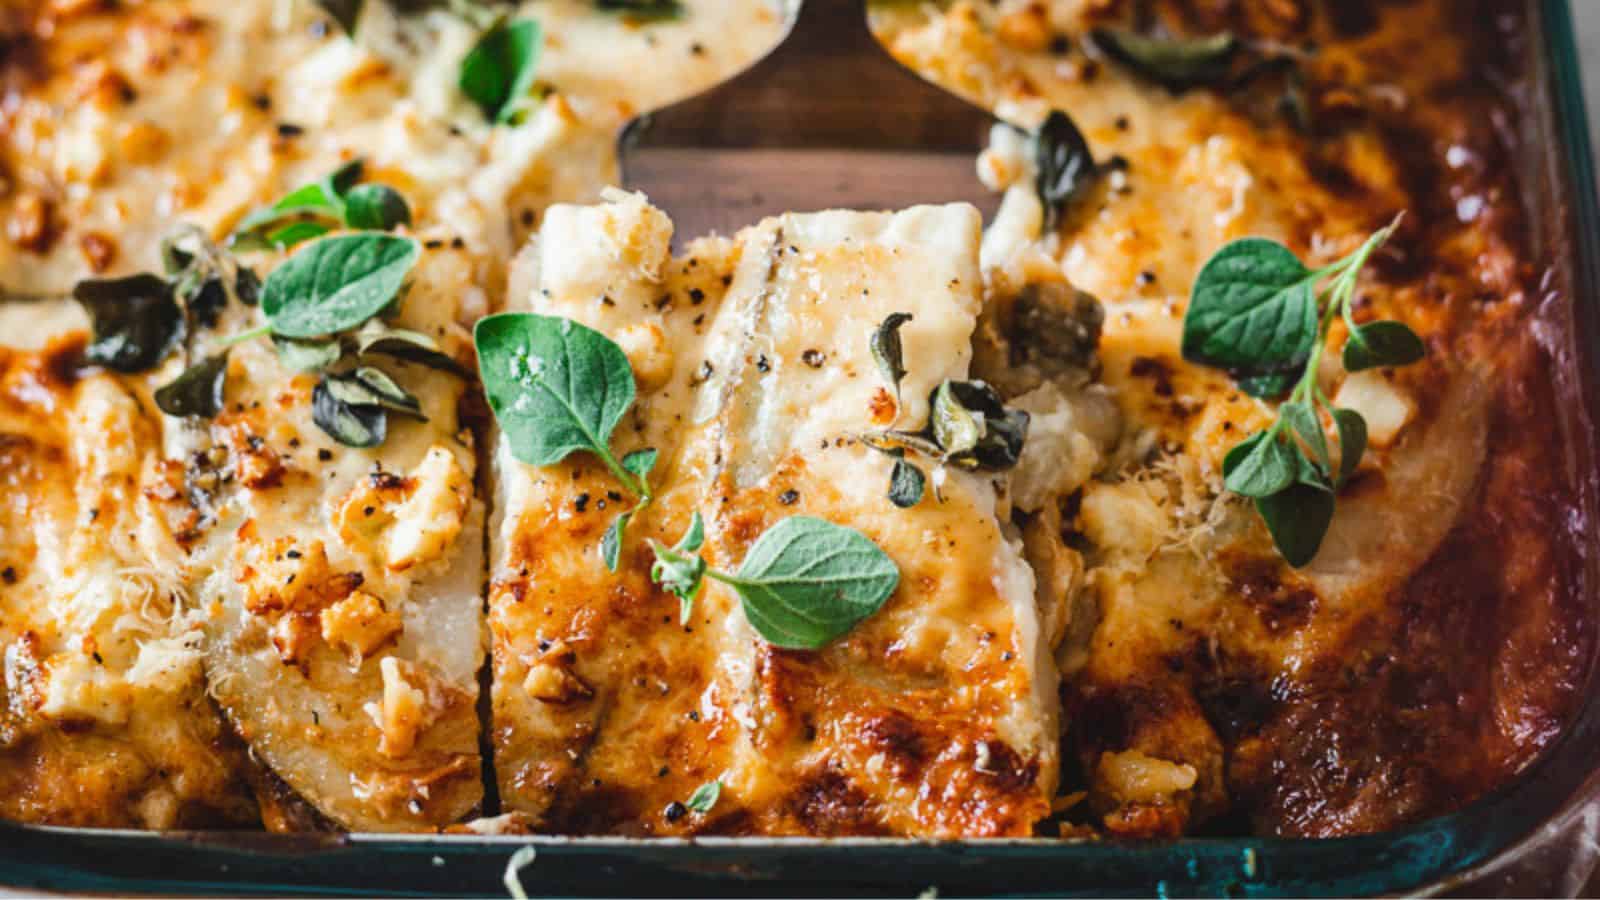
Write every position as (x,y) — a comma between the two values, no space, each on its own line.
(1256,311)
(313,210)
(134,321)
(557,387)
(1176,63)
(968,427)
(804,582)
(498,72)
(888,352)
(198,391)
(1063,166)
(705,797)
(337,283)
(643,9)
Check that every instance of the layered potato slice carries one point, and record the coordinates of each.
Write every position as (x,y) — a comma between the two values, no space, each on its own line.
(937,716)
(104,719)
(341,587)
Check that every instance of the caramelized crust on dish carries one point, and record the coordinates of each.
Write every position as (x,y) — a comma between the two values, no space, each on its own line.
(104,719)
(1435,644)
(934,717)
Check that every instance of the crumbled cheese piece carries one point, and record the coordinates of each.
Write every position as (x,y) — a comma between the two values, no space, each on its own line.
(427,523)
(359,624)
(1386,407)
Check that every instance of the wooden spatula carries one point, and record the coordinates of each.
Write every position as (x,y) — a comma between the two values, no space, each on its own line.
(826,120)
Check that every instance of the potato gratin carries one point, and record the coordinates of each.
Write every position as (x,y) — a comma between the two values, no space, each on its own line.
(372,463)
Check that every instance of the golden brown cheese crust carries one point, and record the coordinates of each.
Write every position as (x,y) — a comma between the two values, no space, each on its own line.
(1217,680)
(104,719)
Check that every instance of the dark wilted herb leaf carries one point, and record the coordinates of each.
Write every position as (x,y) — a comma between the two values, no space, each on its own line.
(887,349)
(306,356)
(1063,164)
(358,426)
(643,9)
(343,12)
(1176,63)
(134,321)
(906,484)
(198,391)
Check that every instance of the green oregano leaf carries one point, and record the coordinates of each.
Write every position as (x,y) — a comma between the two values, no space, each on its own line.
(296,233)
(1262,465)
(1352,443)
(704,797)
(337,283)
(806,581)
(377,207)
(640,462)
(1379,344)
(198,391)
(133,321)
(498,72)
(556,387)
(887,350)
(321,198)
(1253,308)
(906,484)
(681,570)
(611,541)
(1302,420)
(1175,63)
(1297,518)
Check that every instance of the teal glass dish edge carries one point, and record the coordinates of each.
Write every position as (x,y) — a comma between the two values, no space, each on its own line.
(1452,852)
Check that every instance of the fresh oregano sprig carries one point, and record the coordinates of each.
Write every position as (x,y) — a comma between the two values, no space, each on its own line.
(556,388)
(804,582)
(1259,312)
(315,209)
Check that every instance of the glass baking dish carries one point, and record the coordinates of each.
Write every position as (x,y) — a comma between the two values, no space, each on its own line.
(1535,836)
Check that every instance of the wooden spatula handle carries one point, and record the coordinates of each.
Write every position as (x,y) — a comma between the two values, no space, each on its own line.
(830,84)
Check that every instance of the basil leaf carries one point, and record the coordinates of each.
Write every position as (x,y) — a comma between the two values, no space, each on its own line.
(1176,63)
(906,484)
(1252,308)
(337,283)
(704,797)
(411,346)
(1303,420)
(640,462)
(1297,518)
(954,427)
(1063,165)
(377,207)
(1352,443)
(343,12)
(887,350)
(499,69)
(1262,465)
(611,541)
(197,391)
(134,321)
(556,387)
(1378,344)
(352,425)
(806,582)
(306,356)
(643,9)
